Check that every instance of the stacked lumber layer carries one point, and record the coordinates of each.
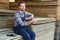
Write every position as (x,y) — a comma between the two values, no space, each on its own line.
(57,37)
(58,10)
(18,0)
(44,29)
(4,4)
(40,9)
(4,15)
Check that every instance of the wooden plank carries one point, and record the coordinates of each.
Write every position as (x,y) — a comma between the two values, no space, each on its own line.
(47,34)
(40,9)
(4,6)
(36,3)
(18,0)
(4,1)
(41,30)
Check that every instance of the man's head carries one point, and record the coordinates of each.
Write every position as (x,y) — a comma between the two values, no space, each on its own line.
(21,6)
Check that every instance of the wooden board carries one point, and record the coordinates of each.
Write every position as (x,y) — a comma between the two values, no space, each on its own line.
(4,6)
(4,1)
(40,9)
(43,32)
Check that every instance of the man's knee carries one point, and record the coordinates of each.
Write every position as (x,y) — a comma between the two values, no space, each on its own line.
(26,37)
(33,34)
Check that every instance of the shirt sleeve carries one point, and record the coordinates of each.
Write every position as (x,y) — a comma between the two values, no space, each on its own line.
(31,15)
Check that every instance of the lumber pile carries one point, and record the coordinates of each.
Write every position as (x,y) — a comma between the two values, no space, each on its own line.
(40,9)
(4,4)
(44,28)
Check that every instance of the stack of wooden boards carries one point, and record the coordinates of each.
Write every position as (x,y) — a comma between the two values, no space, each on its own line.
(57,37)
(4,15)
(41,9)
(4,4)
(44,28)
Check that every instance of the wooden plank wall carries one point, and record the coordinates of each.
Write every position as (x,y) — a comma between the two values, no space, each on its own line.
(4,1)
(4,4)
(58,11)
(44,30)
(57,31)
(40,9)
(4,15)
(33,0)
(18,0)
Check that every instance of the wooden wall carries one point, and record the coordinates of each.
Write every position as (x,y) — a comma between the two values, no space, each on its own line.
(18,0)
(4,1)
(58,11)
(40,9)
(4,15)
(33,0)
(4,4)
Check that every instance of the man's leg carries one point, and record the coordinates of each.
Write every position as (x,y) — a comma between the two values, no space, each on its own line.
(23,33)
(31,33)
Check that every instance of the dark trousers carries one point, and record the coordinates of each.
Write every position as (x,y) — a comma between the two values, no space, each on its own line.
(26,33)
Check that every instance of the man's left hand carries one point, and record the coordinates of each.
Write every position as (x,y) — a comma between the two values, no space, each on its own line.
(29,19)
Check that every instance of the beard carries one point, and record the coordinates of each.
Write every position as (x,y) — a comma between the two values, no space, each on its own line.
(22,9)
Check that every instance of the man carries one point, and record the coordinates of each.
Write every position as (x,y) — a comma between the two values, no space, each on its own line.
(22,20)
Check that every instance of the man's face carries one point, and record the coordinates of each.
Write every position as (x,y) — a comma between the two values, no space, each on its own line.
(22,6)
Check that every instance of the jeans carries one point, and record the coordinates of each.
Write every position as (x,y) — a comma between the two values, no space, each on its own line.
(25,32)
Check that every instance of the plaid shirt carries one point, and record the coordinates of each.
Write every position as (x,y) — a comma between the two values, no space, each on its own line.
(18,20)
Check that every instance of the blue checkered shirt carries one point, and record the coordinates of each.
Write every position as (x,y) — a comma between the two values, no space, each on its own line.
(18,20)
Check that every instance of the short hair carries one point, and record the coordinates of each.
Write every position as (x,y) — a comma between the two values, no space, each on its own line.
(20,3)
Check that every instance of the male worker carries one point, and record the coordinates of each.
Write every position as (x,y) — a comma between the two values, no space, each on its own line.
(22,20)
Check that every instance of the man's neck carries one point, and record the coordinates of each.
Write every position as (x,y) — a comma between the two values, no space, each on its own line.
(21,11)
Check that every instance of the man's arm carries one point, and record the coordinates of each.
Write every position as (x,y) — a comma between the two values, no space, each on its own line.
(33,21)
(31,17)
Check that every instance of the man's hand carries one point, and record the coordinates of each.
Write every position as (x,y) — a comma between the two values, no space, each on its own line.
(34,21)
(29,19)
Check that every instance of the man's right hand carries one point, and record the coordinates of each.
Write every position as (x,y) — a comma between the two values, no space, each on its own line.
(28,19)
(34,21)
